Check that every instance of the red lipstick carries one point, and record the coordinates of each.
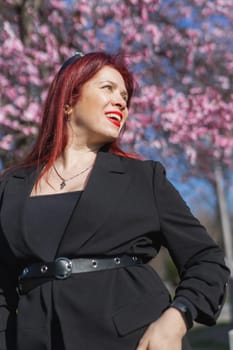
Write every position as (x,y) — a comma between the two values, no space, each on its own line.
(115,117)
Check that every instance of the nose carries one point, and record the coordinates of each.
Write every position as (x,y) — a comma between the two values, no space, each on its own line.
(119,101)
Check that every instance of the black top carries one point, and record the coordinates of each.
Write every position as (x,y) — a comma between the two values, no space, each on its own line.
(49,213)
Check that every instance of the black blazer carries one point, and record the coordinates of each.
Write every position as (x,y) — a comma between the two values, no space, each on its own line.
(129,207)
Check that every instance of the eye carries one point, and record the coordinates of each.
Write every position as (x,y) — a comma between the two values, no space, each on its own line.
(125,97)
(108,87)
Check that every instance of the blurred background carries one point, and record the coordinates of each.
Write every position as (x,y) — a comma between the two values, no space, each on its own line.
(181,53)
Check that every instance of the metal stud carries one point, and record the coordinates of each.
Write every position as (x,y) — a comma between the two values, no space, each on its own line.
(44,268)
(94,263)
(117,260)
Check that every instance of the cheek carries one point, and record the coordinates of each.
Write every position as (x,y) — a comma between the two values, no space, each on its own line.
(123,126)
(126,116)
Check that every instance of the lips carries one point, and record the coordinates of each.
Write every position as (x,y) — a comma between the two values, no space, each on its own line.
(114,117)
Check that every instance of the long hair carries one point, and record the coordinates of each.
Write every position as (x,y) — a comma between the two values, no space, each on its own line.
(64,90)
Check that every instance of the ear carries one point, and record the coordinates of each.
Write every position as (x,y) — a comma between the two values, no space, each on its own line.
(68,110)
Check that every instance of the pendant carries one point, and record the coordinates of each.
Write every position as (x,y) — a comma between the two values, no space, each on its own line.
(62,184)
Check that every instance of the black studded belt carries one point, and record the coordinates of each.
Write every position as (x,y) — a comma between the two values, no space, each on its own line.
(60,269)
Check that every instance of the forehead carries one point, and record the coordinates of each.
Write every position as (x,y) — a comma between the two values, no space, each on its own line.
(109,74)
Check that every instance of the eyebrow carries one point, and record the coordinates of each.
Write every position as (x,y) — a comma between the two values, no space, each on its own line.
(123,93)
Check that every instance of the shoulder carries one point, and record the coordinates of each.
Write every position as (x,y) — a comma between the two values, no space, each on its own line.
(144,165)
(8,173)
(3,181)
(4,175)
(151,169)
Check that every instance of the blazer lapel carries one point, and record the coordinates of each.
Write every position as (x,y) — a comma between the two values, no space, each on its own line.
(16,193)
(105,188)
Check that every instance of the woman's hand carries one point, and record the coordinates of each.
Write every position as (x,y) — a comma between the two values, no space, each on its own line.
(166,333)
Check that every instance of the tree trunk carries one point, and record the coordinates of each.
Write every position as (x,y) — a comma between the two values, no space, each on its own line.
(26,18)
(226,227)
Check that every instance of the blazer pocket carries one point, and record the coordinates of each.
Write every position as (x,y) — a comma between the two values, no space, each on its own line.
(140,313)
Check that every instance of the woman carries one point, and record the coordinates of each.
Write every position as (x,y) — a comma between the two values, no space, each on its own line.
(79,222)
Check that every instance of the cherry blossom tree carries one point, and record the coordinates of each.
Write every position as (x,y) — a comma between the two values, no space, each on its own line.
(181,53)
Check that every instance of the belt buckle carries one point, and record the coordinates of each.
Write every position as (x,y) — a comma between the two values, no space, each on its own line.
(63,268)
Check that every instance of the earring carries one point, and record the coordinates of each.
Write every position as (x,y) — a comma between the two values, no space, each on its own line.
(67,112)
(67,118)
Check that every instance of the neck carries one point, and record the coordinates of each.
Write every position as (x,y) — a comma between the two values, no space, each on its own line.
(82,140)
(77,156)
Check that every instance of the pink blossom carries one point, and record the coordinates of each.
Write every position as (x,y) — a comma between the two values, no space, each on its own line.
(185,76)
(6,142)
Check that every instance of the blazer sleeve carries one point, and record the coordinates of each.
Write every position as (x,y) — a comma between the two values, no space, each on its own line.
(199,260)
(8,294)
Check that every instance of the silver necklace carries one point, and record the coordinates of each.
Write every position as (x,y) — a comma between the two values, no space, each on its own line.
(64,181)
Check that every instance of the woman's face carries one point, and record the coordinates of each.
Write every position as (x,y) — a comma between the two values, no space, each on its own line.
(101,110)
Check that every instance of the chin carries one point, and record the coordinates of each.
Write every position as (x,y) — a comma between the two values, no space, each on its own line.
(111,136)
(105,136)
